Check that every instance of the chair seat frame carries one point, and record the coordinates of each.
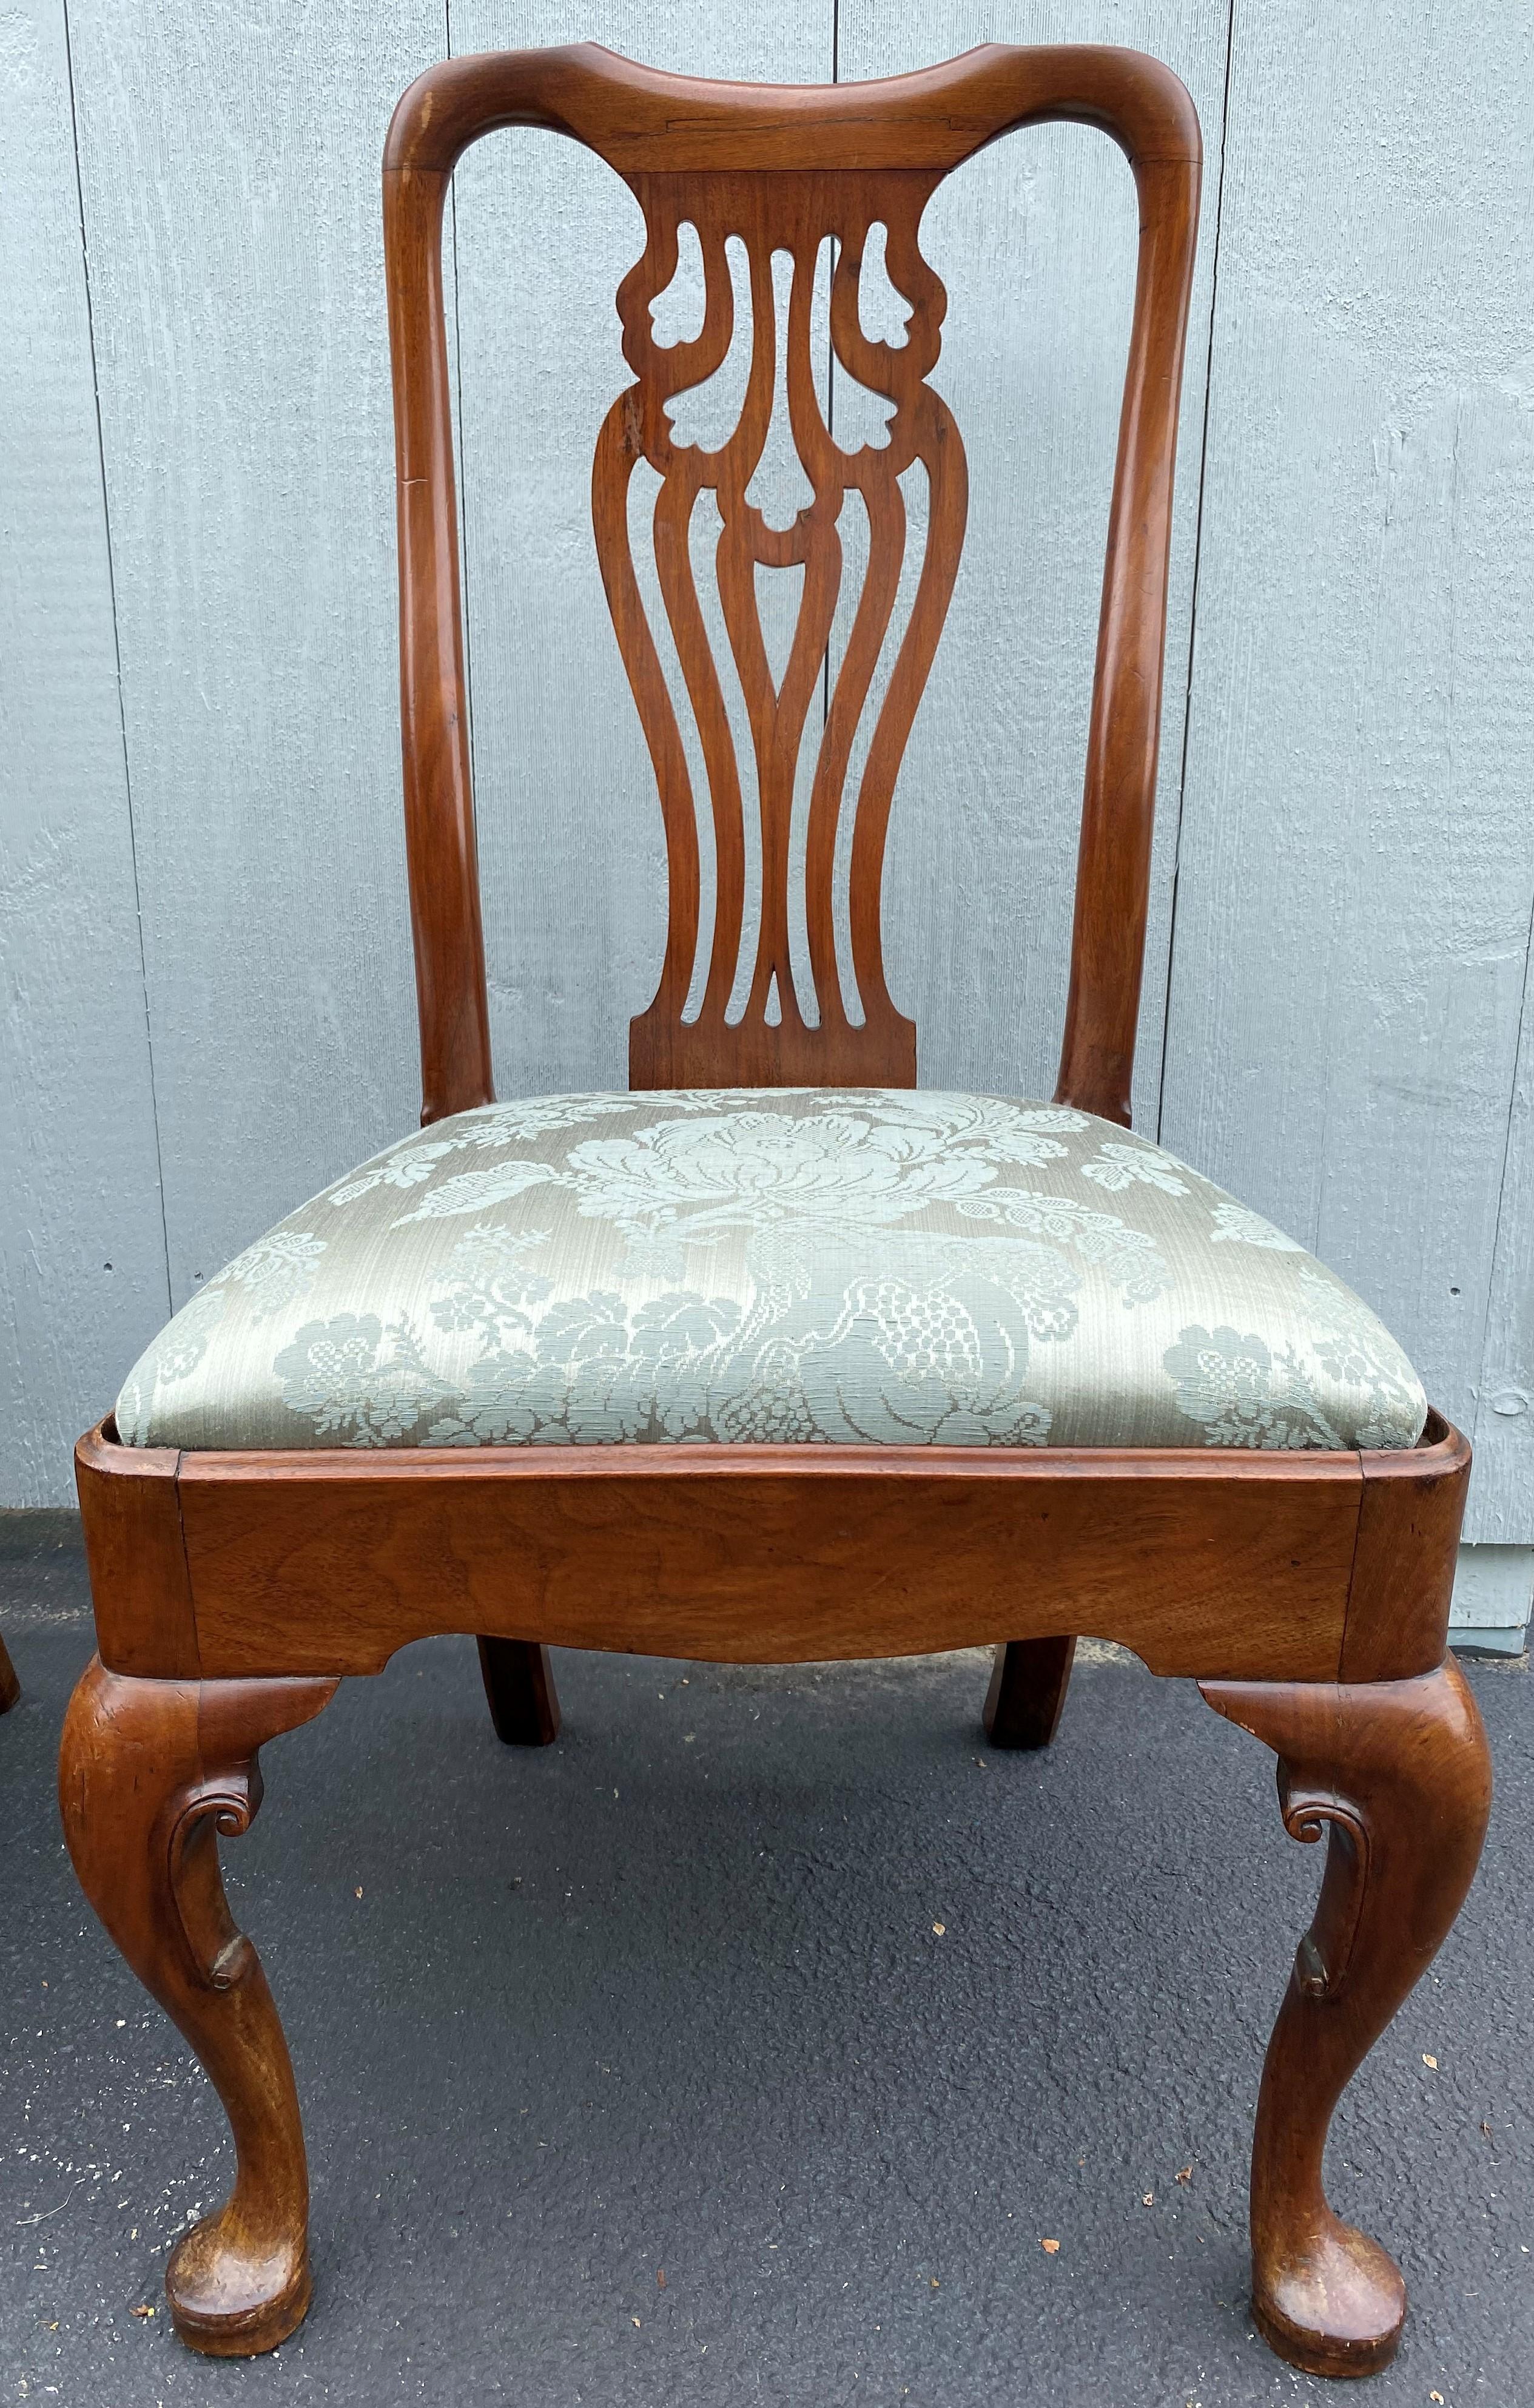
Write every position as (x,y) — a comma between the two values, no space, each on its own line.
(1214,1563)
(1307,1592)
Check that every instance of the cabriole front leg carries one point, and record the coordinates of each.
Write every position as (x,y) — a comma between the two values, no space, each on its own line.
(1397,1775)
(149,1772)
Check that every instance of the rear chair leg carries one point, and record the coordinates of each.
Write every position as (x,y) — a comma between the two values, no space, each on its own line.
(149,1771)
(520,1685)
(1028,1691)
(1396,1773)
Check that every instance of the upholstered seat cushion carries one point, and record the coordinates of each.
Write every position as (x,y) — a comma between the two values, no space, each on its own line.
(772,1265)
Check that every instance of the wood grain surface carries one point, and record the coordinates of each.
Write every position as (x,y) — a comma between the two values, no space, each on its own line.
(1353,890)
(229,169)
(149,1774)
(320,1560)
(83,1267)
(1357,864)
(1396,1776)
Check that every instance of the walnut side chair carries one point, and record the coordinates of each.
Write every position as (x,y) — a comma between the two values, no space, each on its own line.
(921,1401)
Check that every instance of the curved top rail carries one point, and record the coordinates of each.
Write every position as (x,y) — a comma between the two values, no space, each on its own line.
(644,122)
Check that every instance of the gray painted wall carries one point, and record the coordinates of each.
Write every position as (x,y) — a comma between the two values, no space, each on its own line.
(207,986)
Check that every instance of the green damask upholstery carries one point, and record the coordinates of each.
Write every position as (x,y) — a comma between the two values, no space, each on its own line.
(773,1264)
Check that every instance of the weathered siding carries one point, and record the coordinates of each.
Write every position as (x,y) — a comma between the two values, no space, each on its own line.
(82,1267)
(1357,869)
(229,168)
(205,861)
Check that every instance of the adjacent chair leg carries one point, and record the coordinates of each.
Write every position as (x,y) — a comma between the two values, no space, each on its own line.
(149,1772)
(1028,1691)
(520,1685)
(1397,1771)
(10,1688)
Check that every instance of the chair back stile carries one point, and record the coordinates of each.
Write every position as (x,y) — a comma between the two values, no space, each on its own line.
(781,170)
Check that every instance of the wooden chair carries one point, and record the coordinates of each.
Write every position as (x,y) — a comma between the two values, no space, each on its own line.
(1304,1588)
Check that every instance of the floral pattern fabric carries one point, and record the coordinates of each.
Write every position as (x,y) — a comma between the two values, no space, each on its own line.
(849,1267)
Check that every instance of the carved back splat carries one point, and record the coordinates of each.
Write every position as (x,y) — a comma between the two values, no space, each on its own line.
(792,214)
(783,168)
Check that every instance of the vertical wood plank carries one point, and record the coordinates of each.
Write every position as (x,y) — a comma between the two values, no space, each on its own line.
(1357,878)
(82,1261)
(1501,1505)
(1036,241)
(1357,872)
(230,162)
(570,850)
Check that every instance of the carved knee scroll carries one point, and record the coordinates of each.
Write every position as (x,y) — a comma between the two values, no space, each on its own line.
(1397,1774)
(149,1772)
